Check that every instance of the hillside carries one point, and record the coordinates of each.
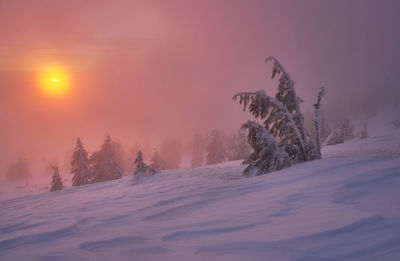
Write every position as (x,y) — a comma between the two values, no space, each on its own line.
(343,207)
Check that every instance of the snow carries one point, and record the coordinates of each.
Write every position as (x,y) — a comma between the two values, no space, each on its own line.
(343,207)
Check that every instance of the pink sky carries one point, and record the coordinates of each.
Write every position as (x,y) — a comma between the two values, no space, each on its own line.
(145,70)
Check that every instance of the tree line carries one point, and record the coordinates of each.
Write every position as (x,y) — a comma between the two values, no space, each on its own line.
(108,162)
(277,139)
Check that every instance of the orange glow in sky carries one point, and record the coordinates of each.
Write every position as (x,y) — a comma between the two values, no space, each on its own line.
(54,82)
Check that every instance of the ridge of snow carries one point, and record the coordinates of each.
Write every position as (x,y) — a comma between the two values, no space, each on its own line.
(342,207)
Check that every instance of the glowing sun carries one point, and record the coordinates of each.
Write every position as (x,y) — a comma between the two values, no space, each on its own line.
(53,81)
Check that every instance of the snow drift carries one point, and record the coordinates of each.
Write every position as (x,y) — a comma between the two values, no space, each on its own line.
(343,207)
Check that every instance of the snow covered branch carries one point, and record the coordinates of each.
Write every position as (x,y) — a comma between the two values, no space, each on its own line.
(283,121)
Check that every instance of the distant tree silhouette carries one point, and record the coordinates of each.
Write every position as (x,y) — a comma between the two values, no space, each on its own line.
(364,131)
(237,147)
(141,167)
(197,151)
(80,165)
(171,153)
(19,170)
(215,149)
(56,183)
(157,162)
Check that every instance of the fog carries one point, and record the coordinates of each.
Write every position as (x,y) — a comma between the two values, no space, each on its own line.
(147,70)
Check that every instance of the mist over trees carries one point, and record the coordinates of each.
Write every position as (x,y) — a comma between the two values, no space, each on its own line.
(237,146)
(280,140)
(215,150)
(344,132)
(156,161)
(347,129)
(364,132)
(171,153)
(325,127)
(19,170)
(198,148)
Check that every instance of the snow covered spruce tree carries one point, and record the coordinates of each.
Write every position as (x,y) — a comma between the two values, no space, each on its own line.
(79,165)
(105,163)
(318,120)
(215,149)
(141,167)
(281,117)
(56,182)
(267,156)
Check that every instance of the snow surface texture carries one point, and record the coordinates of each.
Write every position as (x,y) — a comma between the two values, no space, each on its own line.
(343,207)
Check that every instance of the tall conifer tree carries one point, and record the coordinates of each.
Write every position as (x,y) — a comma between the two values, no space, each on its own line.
(79,165)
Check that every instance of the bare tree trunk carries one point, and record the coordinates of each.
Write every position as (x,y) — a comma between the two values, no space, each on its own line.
(317,121)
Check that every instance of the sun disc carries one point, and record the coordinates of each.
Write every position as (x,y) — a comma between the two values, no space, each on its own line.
(53,82)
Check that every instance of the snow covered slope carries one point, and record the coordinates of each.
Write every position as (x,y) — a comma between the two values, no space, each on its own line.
(343,207)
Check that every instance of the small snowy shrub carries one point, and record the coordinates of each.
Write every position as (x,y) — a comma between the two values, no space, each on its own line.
(56,182)
(141,167)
